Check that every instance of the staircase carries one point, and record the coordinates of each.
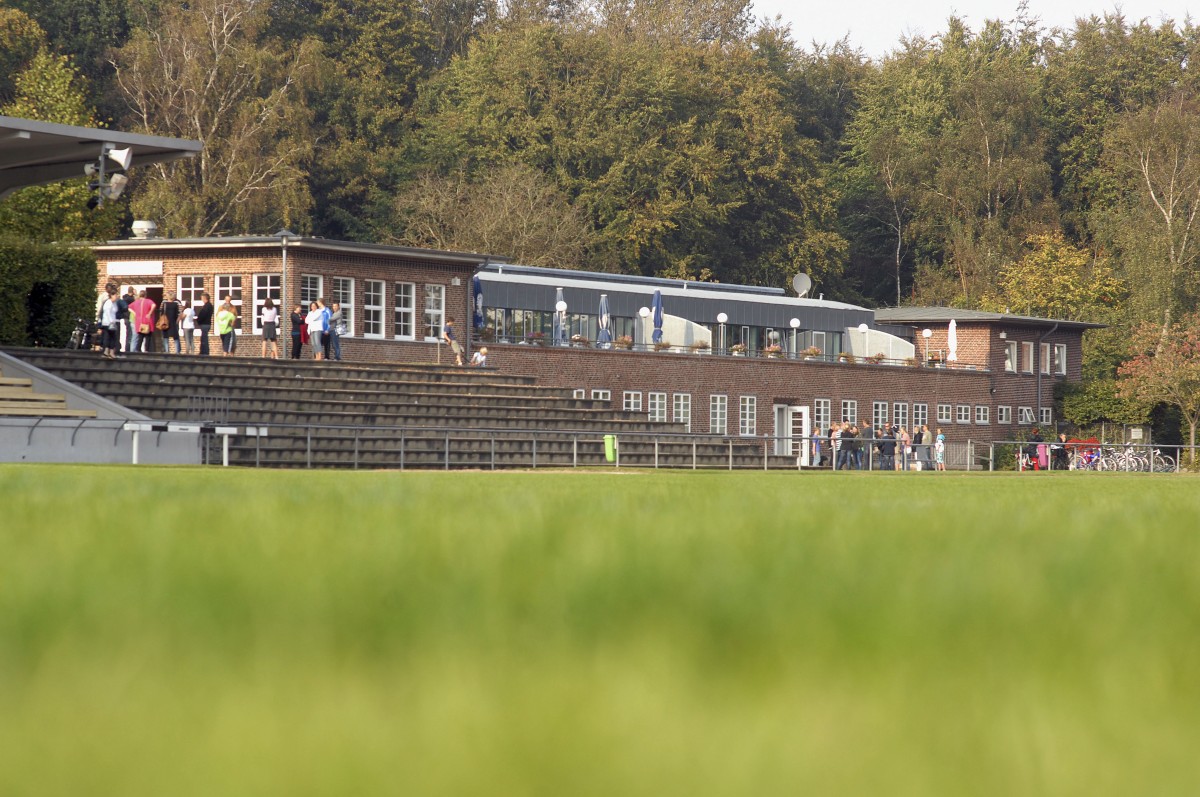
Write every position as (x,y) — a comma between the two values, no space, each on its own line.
(336,414)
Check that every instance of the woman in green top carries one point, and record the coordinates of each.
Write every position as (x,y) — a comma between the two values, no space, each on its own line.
(225,320)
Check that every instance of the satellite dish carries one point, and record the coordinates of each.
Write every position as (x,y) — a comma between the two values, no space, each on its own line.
(802,283)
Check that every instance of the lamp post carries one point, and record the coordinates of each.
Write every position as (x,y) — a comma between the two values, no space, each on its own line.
(795,325)
(644,313)
(721,319)
(926,333)
(563,333)
(863,329)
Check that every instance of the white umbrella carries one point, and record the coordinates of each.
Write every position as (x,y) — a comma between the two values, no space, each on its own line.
(952,342)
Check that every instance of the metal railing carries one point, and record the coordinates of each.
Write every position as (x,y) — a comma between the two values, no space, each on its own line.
(1054,455)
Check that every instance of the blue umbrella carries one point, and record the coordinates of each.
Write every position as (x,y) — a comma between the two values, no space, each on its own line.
(657,309)
(477,297)
(556,337)
(605,334)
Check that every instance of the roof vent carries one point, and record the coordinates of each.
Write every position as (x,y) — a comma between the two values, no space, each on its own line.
(144,230)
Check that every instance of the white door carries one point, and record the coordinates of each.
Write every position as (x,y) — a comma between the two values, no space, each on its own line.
(801,433)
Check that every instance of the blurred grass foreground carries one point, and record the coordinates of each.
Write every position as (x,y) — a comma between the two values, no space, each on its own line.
(208,632)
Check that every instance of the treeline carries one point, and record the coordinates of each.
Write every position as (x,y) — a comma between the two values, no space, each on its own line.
(1047,172)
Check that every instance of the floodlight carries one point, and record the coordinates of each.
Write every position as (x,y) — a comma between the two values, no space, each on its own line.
(116,187)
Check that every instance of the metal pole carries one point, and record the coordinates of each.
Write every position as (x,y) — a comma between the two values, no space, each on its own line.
(535,451)
(656,453)
(764,452)
(693,453)
(731,454)
(447,451)
(574,451)
(492,438)
(308,447)
(401,449)
(258,448)
(225,450)
(136,439)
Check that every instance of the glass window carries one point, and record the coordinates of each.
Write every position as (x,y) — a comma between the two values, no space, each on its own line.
(1025,416)
(879,414)
(822,414)
(633,401)
(343,294)
(435,311)
(718,414)
(1060,359)
(311,288)
(1004,415)
(265,286)
(579,393)
(405,310)
(1027,354)
(921,414)
(601,395)
(964,413)
(945,413)
(849,411)
(190,288)
(372,309)
(747,416)
(983,414)
(682,409)
(1047,416)
(1010,356)
(1045,358)
(900,414)
(656,407)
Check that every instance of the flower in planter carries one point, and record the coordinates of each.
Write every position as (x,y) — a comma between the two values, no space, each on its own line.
(875,359)
(812,351)
(623,342)
(537,337)
(701,345)
(847,357)
(661,345)
(774,350)
(911,362)
(579,340)
(738,348)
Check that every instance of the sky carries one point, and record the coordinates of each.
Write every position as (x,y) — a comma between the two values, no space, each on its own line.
(875,26)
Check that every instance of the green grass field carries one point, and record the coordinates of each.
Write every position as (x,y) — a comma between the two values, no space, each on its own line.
(207,632)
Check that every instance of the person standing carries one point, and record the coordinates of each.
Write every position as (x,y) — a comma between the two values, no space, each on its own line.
(867,447)
(226,320)
(905,446)
(927,441)
(270,322)
(204,319)
(110,335)
(125,316)
(170,311)
(337,325)
(449,337)
(142,310)
(887,449)
(315,322)
(939,448)
(297,320)
(187,327)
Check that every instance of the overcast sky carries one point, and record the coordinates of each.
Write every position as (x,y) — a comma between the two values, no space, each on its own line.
(876,26)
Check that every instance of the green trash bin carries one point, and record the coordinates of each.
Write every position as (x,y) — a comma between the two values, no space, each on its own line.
(610,447)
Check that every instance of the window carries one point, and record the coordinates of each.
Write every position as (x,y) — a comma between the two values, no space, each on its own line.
(1060,359)
(633,401)
(1010,356)
(311,288)
(964,413)
(1004,415)
(190,288)
(921,414)
(822,415)
(405,311)
(1025,416)
(682,409)
(579,393)
(435,311)
(945,413)
(849,411)
(879,414)
(601,395)
(656,407)
(900,414)
(1045,358)
(343,294)
(372,309)
(718,412)
(983,414)
(747,415)
(1047,416)
(266,286)
(1027,355)
(229,286)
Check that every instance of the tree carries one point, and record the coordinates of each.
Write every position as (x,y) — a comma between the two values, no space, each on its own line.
(20,40)
(200,70)
(1166,369)
(1055,279)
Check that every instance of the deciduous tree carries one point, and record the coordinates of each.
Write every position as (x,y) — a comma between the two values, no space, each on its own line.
(1166,369)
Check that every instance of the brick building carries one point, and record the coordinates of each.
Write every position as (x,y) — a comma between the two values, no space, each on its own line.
(396,299)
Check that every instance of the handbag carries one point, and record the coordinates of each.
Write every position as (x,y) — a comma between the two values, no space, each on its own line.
(164,323)
(143,329)
(340,328)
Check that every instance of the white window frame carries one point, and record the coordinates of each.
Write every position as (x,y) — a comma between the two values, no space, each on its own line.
(433,311)
(1060,359)
(230,285)
(718,413)
(900,414)
(822,413)
(748,416)
(403,313)
(1025,416)
(1027,356)
(1047,416)
(1010,357)
(1004,415)
(962,413)
(632,401)
(656,406)
(920,414)
(312,287)
(601,395)
(579,393)
(945,413)
(189,294)
(261,292)
(983,415)
(342,292)
(681,409)
(849,411)
(372,311)
(879,414)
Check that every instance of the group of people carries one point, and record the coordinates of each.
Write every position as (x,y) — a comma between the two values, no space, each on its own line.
(321,328)
(846,446)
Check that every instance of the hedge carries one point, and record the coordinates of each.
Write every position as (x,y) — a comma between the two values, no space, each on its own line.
(43,290)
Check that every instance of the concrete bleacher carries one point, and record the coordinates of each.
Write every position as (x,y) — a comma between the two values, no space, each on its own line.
(337,414)
(18,399)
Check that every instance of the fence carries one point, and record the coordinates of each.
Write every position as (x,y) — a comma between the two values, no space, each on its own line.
(1053,455)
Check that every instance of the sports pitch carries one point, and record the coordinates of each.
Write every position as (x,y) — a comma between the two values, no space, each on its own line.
(208,632)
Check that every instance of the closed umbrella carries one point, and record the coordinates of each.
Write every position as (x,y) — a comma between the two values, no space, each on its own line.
(604,336)
(952,342)
(477,298)
(657,308)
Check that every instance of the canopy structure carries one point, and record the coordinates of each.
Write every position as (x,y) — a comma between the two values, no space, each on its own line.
(35,153)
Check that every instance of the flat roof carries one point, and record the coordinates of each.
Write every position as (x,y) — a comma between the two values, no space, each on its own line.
(36,153)
(940,315)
